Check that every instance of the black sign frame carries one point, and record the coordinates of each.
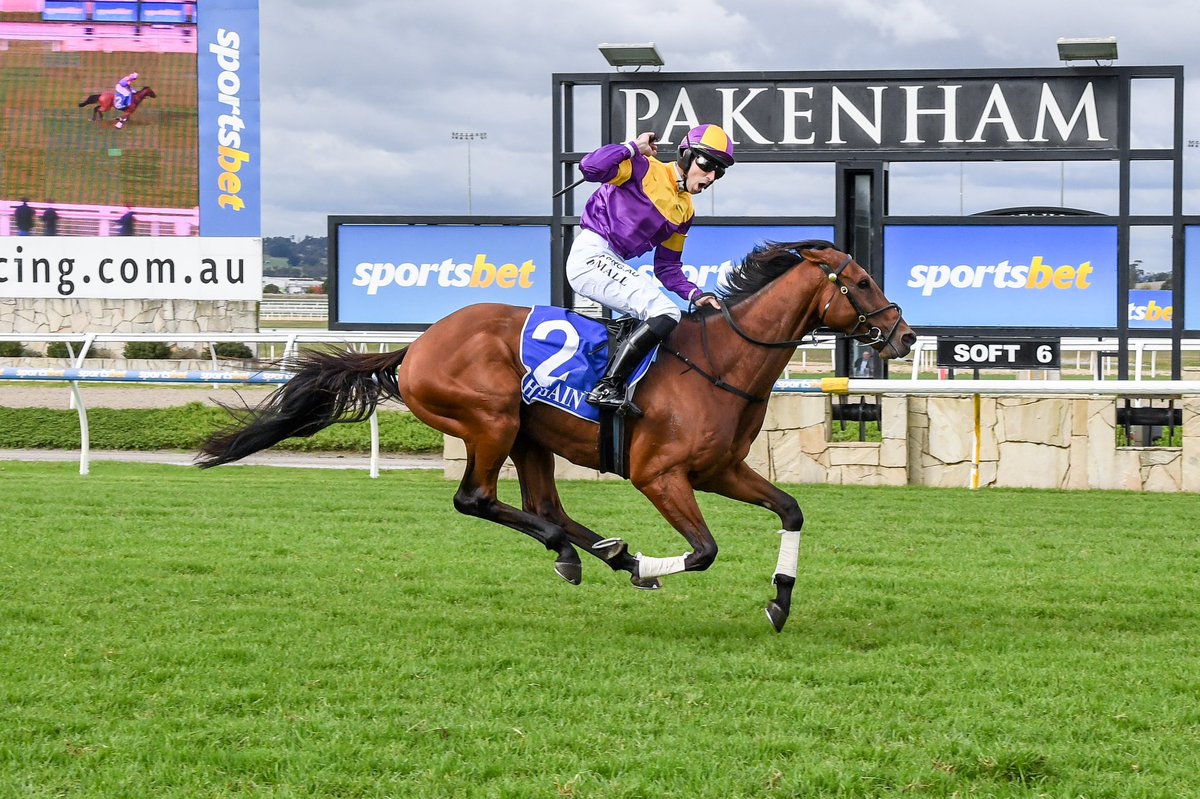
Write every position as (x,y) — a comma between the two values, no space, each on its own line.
(864,159)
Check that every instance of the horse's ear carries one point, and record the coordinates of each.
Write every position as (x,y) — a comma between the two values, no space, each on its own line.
(810,255)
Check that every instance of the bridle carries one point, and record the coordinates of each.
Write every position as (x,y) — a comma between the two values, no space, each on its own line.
(871,335)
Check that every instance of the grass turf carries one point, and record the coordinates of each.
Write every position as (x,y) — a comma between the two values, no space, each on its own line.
(266,632)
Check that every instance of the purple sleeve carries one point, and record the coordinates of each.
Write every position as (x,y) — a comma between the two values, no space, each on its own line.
(668,268)
(601,166)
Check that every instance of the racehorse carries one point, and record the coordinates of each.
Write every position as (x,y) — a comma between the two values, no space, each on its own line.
(104,104)
(704,402)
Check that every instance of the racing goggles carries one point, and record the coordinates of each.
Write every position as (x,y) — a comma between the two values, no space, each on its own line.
(709,164)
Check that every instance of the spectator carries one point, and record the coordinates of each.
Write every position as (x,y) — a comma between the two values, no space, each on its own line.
(50,219)
(868,364)
(23,215)
(125,223)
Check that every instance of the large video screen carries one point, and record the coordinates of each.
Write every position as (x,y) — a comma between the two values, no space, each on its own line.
(135,118)
(103,126)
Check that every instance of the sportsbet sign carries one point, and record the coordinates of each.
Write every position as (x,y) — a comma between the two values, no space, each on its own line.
(413,275)
(1003,276)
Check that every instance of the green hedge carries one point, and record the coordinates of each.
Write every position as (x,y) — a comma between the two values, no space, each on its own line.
(151,350)
(184,427)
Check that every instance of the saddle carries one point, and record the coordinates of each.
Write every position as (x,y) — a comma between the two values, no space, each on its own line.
(562,368)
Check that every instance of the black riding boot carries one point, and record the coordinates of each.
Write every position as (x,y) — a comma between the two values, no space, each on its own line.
(610,391)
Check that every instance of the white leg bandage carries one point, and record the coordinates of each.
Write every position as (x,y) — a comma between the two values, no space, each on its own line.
(659,567)
(789,552)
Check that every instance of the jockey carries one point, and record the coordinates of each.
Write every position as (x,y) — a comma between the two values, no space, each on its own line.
(643,203)
(124,91)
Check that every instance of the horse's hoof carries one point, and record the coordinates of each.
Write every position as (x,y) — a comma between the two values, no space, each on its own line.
(646,583)
(571,572)
(776,615)
(610,548)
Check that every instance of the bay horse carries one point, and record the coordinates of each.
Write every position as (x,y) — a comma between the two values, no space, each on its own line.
(104,102)
(704,401)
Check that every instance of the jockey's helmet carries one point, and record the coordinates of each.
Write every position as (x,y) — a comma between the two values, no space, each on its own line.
(709,140)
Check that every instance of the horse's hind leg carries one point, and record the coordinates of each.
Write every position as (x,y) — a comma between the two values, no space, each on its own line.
(539,495)
(476,496)
(744,484)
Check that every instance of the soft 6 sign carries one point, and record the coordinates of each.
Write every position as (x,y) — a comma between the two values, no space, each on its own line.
(1003,276)
(413,275)
(712,250)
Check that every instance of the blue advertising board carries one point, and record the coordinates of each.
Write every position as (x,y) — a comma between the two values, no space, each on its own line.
(228,107)
(1004,276)
(64,11)
(156,13)
(1150,310)
(1191,279)
(417,274)
(115,11)
(712,250)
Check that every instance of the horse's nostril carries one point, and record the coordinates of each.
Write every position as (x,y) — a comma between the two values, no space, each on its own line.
(909,339)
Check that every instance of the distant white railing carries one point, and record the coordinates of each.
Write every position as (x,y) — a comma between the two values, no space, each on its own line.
(303,306)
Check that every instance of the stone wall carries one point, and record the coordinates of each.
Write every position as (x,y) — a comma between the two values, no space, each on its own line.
(127,316)
(1026,442)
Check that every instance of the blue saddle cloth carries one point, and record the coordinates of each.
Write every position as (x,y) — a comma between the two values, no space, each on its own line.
(565,355)
(121,103)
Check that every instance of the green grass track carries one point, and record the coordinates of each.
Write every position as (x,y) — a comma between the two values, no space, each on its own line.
(265,632)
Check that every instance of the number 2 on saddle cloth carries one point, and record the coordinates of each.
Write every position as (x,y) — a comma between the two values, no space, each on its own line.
(564,355)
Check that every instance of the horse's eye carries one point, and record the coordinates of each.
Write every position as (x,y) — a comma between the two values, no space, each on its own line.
(865,283)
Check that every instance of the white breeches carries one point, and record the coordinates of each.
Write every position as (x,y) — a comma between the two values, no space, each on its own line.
(599,274)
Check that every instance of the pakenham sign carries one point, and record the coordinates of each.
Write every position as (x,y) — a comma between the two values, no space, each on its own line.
(832,116)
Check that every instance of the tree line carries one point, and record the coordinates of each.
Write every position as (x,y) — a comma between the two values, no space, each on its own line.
(305,258)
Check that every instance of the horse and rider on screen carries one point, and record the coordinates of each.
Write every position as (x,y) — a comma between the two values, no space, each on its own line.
(701,401)
(123,99)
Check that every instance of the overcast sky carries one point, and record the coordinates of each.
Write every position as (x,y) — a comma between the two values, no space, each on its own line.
(360,97)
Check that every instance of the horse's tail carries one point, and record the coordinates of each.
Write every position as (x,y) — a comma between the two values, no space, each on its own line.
(92,98)
(328,387)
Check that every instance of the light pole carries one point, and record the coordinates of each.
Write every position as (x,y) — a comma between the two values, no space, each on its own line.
(468,138)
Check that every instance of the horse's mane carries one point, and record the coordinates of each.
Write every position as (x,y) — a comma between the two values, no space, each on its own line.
(763,264)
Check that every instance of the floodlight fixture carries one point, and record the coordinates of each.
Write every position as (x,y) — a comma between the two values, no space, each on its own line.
(633,56)
(1101,48)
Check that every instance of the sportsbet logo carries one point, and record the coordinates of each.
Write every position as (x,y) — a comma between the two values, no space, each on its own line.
(1150,312)
(1004,275)
(478,275)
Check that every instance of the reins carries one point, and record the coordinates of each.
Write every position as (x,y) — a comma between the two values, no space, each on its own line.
(875,334)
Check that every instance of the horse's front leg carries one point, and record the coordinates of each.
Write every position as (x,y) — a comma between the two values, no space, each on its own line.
(672,494)
(743,483)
